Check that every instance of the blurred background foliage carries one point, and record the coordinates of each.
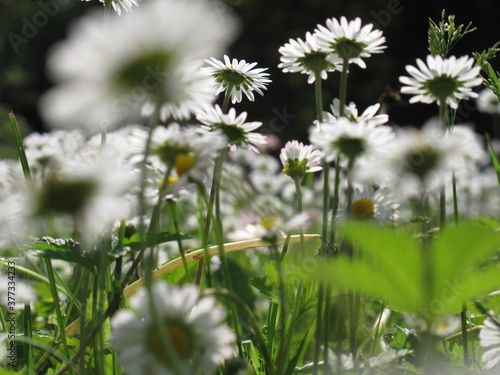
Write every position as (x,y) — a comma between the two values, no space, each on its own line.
(287,108)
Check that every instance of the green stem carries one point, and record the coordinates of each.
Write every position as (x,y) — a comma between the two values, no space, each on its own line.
(343,87)
(319,97)
(281,361)
(21,151)
(465,337)
(225,104)
(175,218)
(300,208)
(326,207)
(57,306)
(254,324)
(335,203)
(319,326)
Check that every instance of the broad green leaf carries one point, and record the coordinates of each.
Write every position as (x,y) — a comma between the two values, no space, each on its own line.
(455,253)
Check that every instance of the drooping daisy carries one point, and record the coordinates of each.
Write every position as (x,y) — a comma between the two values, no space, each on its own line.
(351,140)
(106,72)
(445,80)
(306,57)
(194,324)
(240,76)
(369,115)
(119,4)
(488,102)
(489,339)
(349,40)
(298,159)
(237,131)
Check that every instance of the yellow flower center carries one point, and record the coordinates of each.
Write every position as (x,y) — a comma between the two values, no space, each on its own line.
(268,222)
(179,337)
(362,209)
(183,163)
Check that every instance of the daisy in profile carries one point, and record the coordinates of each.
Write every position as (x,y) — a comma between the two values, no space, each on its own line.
(489,339)
(422,156)
(488,102)
(306,57)
(194,325)
(237,131)
(442,80)
(106,71)
(349,40)
(298,159)
(118,5)
(369,115)
(184,150)
(237,78)
(351,140)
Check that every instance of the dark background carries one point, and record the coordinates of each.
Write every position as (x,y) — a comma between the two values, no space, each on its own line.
(287,108)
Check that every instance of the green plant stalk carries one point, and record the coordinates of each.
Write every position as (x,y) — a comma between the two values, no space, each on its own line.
(204,264)
(21,151)
(28,346)
(300,208)
(343,86)
(281,360)
(225,104)
(319,326)
(335,201)
(57,306)
(442,197)
(175,219)
(254,324)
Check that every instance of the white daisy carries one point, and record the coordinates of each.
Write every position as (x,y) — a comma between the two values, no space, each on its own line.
(119,4)
(107,71)
(238,132)
(369,115)
(306,57)
(298,159)
(195,92)
(351,140)
(376,204)
(185,150)
(240,76)
(194,324)
(443,80)
(418,156)
(271,227)
(489,339)
(488,102)
(349,40)
(89,189)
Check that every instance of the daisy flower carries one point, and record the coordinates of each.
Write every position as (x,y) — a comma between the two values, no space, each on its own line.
(489,339)
(89,189)
(488,102)
(350,139)
(349,40)
(445,80)
(194,324)
(238,132)
(119,4)
(298,159)
(306,57)
(106,71)
(369,115)
(195,92)
(271,227)
(374,204)
(422,155)
(239,77)
(185,150)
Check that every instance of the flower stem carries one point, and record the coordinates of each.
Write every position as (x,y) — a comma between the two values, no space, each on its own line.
(343,86)
(225,104)
(319,97)
(175,218)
